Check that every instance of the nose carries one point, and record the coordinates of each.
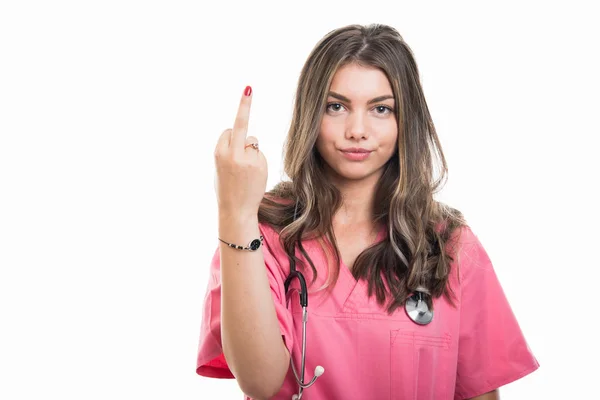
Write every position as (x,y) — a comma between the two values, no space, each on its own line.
(356,126)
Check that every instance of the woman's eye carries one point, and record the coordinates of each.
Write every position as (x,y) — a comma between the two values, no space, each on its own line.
(334,106)
(383,109)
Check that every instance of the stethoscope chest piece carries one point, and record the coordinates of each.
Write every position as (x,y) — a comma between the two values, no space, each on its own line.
(418,310)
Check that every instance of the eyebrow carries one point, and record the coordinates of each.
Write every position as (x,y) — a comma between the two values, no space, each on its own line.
(347,100)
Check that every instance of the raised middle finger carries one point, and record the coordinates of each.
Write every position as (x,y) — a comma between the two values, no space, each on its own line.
(240,126)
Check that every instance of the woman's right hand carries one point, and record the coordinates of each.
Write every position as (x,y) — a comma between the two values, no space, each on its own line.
(241,173)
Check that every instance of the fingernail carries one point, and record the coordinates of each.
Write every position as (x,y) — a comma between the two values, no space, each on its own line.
(248,91)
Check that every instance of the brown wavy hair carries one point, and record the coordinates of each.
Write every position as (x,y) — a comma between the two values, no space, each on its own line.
(413,255)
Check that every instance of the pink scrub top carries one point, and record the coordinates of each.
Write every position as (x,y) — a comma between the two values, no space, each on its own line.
(367,354)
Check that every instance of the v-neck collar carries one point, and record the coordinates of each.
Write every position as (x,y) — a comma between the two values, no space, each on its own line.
(343,265)
(354,293)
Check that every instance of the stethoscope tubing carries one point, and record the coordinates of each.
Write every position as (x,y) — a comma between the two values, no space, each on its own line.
(416,313)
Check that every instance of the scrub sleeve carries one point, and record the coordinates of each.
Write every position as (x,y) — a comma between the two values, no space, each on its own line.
(492,350)
(211,361)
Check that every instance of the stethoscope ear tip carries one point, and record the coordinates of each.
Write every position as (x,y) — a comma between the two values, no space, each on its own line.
(319,371)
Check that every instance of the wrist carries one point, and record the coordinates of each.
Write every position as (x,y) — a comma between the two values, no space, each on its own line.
(236,218)
(238,229)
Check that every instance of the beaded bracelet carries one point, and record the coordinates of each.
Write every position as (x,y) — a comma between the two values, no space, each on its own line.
(252,246)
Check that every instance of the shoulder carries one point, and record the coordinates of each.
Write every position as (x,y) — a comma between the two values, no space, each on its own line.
(469,256)
(473,272)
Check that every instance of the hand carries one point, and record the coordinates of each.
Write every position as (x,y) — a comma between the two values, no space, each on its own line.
(241,172)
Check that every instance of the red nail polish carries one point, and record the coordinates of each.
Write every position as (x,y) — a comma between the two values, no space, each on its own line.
(248,91)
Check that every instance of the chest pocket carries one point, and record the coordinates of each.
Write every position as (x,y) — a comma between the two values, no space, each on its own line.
(420,365)
(423,357)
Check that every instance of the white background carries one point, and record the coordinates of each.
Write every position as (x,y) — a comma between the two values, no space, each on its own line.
(109,113)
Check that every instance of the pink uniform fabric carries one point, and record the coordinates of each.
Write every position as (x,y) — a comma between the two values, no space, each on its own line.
(367,354)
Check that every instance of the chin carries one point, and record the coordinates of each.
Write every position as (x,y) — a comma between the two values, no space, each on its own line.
(354,174)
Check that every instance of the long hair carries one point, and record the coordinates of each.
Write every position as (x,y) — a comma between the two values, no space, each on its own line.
(413,256)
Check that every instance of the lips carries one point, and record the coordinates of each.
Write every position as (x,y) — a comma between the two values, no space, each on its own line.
(355,150)
(356,155)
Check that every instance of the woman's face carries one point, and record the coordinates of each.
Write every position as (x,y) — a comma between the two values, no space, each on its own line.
(359,114)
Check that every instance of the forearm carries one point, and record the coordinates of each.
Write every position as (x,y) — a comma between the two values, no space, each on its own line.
(250,332)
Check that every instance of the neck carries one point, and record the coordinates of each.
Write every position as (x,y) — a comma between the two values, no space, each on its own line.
(357,202)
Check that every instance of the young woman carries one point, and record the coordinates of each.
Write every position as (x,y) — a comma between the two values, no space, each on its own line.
(404,300)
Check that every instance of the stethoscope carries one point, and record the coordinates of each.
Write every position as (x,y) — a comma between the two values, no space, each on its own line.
(416,307)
